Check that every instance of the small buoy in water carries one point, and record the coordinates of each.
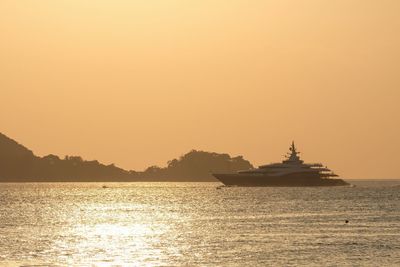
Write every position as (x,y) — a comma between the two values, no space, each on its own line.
(346,221)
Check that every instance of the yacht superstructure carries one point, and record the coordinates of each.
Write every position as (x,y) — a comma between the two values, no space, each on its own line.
(292,171)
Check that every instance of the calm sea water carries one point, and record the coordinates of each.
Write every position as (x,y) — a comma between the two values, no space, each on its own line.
(195,224)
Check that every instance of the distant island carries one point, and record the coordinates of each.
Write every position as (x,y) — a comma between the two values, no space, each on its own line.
(19,164)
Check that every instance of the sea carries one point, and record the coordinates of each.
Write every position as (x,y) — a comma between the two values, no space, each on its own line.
(199,224)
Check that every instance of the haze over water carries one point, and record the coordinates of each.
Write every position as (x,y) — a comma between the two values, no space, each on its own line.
(195,224)
(137,83)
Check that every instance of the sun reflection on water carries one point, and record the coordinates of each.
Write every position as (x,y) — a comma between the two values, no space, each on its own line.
(102,236)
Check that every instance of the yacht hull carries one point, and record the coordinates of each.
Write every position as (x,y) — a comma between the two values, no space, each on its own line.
(298,179)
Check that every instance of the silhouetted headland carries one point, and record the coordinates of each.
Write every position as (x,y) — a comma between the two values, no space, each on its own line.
(19,164)
(195,166)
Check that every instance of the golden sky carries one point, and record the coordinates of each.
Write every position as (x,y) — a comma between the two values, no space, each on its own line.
(137,83)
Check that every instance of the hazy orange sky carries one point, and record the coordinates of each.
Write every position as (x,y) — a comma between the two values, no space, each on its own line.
(137,83)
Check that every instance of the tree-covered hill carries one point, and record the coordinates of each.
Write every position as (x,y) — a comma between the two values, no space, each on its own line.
(19,164)
(196,165)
